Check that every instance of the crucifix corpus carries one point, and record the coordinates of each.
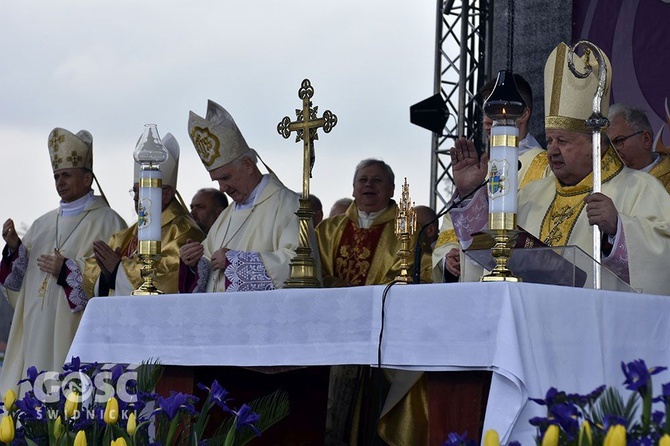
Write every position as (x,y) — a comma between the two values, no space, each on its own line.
(303,265)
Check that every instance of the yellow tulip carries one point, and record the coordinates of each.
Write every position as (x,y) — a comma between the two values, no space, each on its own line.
(58,428)
(585,436)
(491,438)
(131,427)
(112,411)
(119,442)
(71,404)
(616,436)
(80,439)
(7,429)
(10,398)
(664,441)
(550,436)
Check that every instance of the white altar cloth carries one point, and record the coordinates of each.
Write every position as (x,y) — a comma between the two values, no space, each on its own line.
(531,336)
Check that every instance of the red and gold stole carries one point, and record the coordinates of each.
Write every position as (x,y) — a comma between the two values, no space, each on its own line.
(355,253)
(562,214)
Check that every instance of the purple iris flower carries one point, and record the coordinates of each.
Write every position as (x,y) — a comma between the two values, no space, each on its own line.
(31,375)
(665,393)
(657,417)
(456,440)
(217,394)
(613,420)
(638,375)
(460,440)
(245,417)
(117,371)
(566,414)
(30,408)
(553,396)
(174,403)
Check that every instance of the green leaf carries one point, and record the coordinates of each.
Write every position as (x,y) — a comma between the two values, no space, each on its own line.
(148,374)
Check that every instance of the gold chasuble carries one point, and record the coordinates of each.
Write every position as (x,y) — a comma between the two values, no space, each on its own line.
(353,256)
(177,226)
(556,214)
(569,201)
(661,171)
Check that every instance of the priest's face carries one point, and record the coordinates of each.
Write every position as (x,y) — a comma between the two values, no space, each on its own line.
(570,155)
(237,179)
(634,147)
(72,183)
(373,188)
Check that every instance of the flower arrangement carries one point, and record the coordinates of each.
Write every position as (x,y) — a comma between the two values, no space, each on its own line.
(115,405)
(600,418)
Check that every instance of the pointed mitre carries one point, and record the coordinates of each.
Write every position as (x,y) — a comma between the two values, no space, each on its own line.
(68,150)
(170,168)
(216,138)
(568,100)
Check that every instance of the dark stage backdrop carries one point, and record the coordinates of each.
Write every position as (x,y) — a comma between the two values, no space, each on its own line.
(635,34)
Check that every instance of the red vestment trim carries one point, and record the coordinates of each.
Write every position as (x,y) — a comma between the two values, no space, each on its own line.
(355,253)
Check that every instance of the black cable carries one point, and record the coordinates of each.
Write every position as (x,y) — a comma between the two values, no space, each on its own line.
(381,334)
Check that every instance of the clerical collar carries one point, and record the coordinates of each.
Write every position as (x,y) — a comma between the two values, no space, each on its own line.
(251,199)
(656,158)
(77,206)
(365,219)
(529,142)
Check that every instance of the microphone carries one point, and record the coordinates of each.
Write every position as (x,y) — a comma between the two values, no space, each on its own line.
(416,277)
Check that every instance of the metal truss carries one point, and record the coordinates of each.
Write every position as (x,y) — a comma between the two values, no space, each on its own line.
(464,35)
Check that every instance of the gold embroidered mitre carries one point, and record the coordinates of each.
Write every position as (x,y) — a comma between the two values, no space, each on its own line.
(568,100)
(68,150)
(216,138)
(170,168)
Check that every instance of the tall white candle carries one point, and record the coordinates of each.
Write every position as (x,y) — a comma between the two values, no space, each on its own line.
(150,206)
(503,169)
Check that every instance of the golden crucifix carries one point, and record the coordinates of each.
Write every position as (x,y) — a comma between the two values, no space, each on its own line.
(303,265)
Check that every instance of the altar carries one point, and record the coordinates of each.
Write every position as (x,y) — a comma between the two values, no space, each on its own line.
(530,336)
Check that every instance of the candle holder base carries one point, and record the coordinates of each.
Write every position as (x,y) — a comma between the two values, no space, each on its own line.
(501,252)
(147,272)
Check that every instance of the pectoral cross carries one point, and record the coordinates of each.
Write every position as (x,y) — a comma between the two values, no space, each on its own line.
(303,264)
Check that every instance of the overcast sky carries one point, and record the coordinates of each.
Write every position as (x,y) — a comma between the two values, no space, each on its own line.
(112,66)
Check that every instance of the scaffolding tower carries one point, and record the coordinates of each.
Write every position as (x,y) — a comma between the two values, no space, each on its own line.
(464,34)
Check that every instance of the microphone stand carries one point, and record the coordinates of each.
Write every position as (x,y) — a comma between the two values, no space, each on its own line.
(416,277)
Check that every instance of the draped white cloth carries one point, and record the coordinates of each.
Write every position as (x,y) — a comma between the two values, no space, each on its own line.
(531,336)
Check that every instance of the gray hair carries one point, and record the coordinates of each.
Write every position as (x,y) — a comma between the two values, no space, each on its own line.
(635,117)
(375,162)
(249,153)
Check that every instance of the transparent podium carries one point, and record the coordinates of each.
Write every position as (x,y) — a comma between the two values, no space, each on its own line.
(552,265)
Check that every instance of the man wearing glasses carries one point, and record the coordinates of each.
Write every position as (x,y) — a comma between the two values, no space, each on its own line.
(630,134)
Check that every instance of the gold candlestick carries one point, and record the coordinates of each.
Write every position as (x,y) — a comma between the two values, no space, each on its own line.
(303,265)
(504,106)
(405,226)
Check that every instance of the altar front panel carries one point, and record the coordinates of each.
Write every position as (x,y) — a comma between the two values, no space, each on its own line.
(531,336)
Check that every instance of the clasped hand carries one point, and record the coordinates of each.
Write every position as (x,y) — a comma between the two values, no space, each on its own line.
(107,258)
(191,252)
(51,263)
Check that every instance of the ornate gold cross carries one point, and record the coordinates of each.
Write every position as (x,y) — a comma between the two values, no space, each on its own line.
(303,265)
(306,128)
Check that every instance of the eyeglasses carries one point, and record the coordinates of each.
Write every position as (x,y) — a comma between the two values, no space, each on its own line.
(619,141)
